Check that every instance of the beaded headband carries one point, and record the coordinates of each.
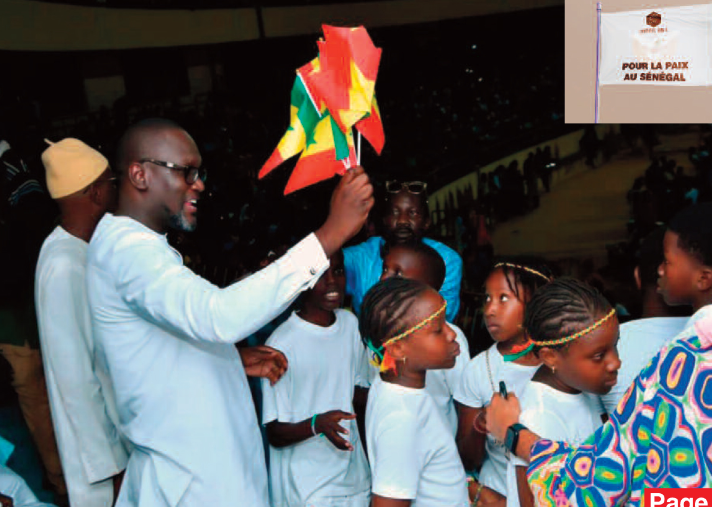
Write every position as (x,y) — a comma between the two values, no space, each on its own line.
(523,268)
(581,333)
(381,358)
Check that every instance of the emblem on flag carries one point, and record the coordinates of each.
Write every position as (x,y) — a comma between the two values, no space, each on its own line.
(653,19)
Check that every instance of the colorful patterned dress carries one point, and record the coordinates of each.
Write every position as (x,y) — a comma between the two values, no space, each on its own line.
(659,436)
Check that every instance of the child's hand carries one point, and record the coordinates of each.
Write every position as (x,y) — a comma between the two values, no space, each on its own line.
(263,362)
(328,425)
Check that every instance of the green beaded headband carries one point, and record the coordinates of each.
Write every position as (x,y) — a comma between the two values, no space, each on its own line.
(523,268)
(581,333)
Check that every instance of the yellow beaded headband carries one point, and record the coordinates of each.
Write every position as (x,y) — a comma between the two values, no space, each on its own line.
(381,358)
(581,333)
(419,325)
(524,268)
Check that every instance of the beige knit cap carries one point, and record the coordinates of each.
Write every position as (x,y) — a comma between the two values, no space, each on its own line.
(71,166)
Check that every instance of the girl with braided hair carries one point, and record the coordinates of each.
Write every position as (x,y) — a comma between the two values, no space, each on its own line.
(412,452)
(575,332)
(510,285)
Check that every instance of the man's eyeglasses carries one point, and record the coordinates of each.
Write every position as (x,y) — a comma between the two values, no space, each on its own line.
(191,174)
(413,187)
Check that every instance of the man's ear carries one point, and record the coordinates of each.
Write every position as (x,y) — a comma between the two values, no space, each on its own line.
(95,193)
(704,280)
(138,176)
(636,276)
(427,223)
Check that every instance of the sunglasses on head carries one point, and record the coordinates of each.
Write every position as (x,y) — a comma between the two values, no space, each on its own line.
(413,187)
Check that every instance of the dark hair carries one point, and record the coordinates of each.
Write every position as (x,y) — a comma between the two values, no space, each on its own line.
(563,307)
(693,225)
(428,255)
(650,256)
(385,309)
(529,281)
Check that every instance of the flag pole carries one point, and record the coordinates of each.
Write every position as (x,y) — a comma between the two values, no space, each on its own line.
(598,55)
(358,149)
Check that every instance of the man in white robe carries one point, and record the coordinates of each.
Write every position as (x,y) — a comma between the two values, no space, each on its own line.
(166,336)
(92,454)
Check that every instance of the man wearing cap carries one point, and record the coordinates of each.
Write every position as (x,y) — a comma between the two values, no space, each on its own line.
(93,455)
(167,336)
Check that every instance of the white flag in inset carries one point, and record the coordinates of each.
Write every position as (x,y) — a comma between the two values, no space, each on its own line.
(664,46)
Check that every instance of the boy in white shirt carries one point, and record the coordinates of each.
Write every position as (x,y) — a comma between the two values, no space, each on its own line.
(314,399)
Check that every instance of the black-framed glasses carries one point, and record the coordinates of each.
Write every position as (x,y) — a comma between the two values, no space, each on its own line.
(413,187)
(191,174)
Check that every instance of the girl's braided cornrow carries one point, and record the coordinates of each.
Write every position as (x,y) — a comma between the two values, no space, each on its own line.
(562,308)
(385,309)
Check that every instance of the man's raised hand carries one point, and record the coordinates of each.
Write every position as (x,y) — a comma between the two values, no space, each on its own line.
(350,203)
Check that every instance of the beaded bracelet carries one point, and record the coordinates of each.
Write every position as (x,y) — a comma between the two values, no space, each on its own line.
(477,495)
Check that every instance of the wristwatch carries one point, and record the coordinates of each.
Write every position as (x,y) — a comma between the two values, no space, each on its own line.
(512,437)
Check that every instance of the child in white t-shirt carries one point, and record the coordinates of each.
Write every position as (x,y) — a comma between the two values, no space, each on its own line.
(575,332)
(413,456)
(316,456)
(421,262)
(509,286)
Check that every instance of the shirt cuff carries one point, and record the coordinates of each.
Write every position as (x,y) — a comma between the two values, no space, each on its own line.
(309,255)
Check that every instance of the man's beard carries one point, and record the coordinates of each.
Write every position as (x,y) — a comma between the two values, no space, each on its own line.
(181,223)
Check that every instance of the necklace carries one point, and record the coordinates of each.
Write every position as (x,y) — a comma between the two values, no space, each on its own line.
(518,351)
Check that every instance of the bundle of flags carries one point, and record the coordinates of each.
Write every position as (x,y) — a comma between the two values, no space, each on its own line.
(332,95)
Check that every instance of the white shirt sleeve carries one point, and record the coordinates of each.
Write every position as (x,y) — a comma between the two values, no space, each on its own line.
(545,423)
(276,399)
(15,487)
(153,281)
(396,462)
(68,351)
(474,385)
(453,376)
(363,367)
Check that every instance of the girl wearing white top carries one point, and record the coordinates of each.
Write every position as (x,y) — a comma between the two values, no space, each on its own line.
(575,332)
(509,286)
(413,455)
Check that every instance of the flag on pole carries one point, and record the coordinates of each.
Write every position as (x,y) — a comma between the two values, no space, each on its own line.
(657,46)
(315,135)
(349,67)
(319,160)
(303,118)
(331,95)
